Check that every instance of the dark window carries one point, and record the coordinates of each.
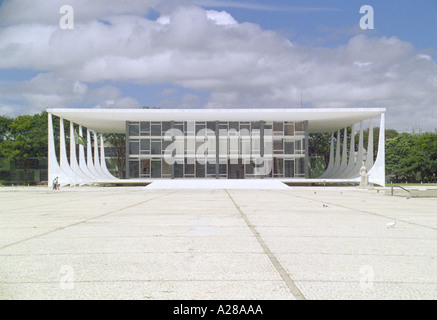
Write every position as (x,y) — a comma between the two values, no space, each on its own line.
(156,169)
(145,146)
(223,126)
(145,167)
(277,145)
(250,168)
(178,170)
(255,125)
(211,168)
(289,169)
(278,167)
(189,168)
(278,126)
(134,169)
(145,126)
(289,130)
(156,147)
(300,126)
(301,166)
(200,170)
(179,126)
(134,130)
(134,147)
(210,125)
(289,147)
(165,145)
(234,125)
(156,129)
(166,126)
(244,126)
(199,126)
(223,169)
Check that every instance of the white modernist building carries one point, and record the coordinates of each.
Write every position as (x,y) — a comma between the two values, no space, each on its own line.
(216,144)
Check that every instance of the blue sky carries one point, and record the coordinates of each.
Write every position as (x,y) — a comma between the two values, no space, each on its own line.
(221,54)
(303,21)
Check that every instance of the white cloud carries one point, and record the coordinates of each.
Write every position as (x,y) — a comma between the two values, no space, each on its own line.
(47,11)
(221,18)
(238,64)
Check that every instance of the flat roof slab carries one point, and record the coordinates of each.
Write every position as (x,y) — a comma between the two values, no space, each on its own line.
(114,120)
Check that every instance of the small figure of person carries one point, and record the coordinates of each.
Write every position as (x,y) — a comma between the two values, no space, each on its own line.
(56,185)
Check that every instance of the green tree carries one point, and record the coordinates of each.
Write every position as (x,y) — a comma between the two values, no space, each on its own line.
(412,158)
(5,122)
(26,139)
(390,134)
(399,157)
(119,143)
(424,156)
(319,145)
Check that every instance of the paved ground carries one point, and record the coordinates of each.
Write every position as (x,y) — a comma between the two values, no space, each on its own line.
(139,243)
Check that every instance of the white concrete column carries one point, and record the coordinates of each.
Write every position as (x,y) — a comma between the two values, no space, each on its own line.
(337,158)
(82,159)
(343,163)
(359,163)
(369,157)
(79,177)
(90,161)
(65,166)
(377,173)
(97,166)
(54,170)
(103,160)
(331,159)
(351,162)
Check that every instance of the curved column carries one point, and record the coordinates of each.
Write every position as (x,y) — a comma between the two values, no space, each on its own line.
(65,166)
(377,173)
(82,160)
(331,159)
(359,163)
(351,162)
(97,166)
(90,162)
(369,157)
(54,170)
(337,157)
(103,160)
(79,177)
(343,163)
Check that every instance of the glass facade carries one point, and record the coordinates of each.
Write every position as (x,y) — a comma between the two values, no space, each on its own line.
(217,149)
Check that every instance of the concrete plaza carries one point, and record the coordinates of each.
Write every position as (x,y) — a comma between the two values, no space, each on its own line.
(236,243)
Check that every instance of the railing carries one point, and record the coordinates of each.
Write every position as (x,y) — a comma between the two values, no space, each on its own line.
(392,188)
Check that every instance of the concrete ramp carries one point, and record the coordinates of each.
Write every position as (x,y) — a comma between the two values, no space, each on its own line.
(198,184)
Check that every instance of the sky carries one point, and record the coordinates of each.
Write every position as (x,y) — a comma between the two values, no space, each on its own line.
(221,54)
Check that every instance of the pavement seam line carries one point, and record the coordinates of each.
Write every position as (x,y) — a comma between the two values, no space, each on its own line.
(82,221)
(295,291)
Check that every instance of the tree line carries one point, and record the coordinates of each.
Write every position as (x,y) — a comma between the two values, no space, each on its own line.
(24,143)
(409,157)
